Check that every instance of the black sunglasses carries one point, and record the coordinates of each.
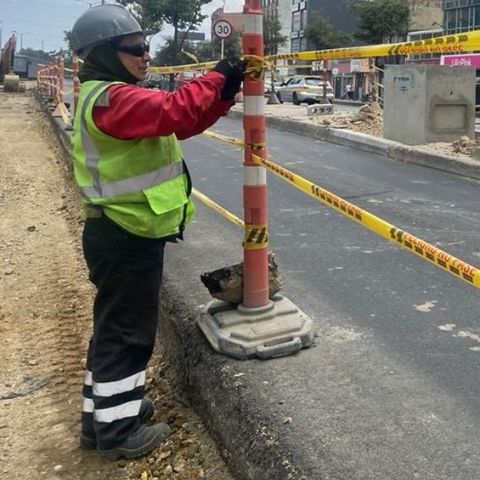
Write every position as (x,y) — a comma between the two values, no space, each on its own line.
(136,50)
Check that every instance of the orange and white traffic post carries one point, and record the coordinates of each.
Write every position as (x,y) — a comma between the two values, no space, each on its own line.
(76,83)
(54,78)
(61,79)
(259,326)
(255,203)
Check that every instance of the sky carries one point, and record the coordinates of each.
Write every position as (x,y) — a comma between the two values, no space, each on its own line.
(42,22)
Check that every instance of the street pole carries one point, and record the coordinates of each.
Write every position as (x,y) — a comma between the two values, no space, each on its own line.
(255,253)
(222,48)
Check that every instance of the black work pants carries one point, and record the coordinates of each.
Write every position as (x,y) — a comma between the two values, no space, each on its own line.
(127,271)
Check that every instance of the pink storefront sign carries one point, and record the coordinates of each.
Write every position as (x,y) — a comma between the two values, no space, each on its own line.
(467,60)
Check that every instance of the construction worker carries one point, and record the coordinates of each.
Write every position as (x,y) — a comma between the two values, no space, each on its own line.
(129,168)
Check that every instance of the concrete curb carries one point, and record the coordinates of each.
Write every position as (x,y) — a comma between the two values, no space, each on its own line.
(232,413)
(388,148)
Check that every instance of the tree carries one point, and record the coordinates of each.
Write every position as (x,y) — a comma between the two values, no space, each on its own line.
(232,46)
(146,14)
(203,51)
(272,32)
(381,18)
(183,15)
(321,34)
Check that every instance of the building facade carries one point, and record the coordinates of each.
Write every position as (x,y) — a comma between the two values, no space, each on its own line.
(338,13)
(282,9)
(460,15)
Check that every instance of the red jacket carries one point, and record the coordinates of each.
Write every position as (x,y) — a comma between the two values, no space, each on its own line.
(135,112)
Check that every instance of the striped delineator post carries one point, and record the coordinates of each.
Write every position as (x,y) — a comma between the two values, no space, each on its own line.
(255,244)
(259,326)
(49,81)
(53,79)
(76,83)
(61,79)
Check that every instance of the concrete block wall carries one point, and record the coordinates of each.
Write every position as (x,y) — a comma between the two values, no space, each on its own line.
(428,103)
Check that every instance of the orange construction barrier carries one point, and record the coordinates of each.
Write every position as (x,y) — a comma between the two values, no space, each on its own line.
(61,79)
(76,83)
(255,243)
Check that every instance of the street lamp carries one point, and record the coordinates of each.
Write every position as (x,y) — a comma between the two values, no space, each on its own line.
(21,34)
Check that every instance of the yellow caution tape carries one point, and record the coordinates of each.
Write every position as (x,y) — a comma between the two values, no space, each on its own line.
(424,250)
(190,55)
(215,206)
(223,138)
(255,237)
(458,43)
(182,68)
(462,42)
(415,245)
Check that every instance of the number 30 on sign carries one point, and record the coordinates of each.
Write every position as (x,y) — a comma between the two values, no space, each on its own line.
(222,29)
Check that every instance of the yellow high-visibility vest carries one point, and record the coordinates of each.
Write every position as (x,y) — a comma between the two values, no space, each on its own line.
(142,184)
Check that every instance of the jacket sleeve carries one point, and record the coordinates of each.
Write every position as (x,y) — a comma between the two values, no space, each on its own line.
(135,112)
(216,111)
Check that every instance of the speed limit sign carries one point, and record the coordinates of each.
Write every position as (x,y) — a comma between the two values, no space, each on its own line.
(222,29)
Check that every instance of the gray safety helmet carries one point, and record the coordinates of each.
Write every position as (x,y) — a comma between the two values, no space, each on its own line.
(100,24)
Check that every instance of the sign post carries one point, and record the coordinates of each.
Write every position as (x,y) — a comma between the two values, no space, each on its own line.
(222,30)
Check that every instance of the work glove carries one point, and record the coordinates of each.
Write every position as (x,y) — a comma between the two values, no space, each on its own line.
(233,71)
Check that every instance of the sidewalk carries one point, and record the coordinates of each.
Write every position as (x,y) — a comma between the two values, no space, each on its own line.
(345,409)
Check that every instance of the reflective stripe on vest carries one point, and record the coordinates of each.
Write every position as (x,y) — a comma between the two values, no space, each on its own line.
(126,185)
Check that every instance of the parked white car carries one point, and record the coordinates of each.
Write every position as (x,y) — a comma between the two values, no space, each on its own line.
(304,88)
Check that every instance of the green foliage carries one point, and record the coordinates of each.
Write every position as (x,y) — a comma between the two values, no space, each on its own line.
(163,56)
(381,18)
(182,15)
(67,36)
(204,51)
(272,35)
(321,35)
(232,46)
(146,13)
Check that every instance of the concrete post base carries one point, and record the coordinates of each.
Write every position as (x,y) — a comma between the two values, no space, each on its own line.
(276,330)
(273,99)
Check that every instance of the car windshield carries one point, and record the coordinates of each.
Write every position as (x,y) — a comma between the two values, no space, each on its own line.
(314,82)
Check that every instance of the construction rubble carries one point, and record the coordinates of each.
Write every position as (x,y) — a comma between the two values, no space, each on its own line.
(367,119)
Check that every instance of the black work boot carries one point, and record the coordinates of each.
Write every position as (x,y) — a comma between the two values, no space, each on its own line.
(88,442)
(139,442)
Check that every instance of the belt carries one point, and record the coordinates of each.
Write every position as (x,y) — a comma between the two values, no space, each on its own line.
(93,211)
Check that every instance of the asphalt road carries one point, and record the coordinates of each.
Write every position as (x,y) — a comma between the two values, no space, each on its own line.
(391,389)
